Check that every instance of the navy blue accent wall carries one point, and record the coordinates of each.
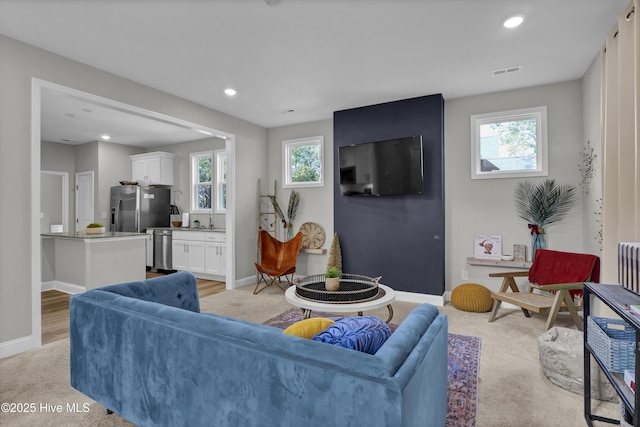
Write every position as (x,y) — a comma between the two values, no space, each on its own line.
(400,238)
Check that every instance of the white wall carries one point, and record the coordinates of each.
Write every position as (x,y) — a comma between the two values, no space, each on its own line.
(316,203)
(486,206)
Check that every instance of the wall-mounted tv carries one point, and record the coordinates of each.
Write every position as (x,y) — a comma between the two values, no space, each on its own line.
(382,168)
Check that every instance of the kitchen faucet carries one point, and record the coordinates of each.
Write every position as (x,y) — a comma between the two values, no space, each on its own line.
(210,221)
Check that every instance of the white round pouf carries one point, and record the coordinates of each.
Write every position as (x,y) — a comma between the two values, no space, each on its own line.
(561,356)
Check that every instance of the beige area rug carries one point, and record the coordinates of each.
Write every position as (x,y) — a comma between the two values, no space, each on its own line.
(512,390)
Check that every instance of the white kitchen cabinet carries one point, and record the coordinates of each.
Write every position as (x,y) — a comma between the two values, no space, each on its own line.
(215,253)
(155,168)
(200,252)
(188,250)
(179,255)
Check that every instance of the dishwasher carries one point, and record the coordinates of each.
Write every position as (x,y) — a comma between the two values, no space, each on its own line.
(162,259)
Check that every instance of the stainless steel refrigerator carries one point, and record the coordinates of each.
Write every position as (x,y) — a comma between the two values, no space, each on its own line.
(135,208)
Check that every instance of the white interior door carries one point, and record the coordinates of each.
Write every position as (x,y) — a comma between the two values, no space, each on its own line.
(84,200)
(54,200)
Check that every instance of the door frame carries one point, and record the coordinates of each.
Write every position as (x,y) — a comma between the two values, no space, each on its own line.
(37,86)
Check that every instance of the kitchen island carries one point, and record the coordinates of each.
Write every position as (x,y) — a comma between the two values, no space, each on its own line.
(77,261)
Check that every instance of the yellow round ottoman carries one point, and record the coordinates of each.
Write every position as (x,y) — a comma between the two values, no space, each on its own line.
(472,297)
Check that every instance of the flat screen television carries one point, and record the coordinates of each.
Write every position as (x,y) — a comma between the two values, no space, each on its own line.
(382,168)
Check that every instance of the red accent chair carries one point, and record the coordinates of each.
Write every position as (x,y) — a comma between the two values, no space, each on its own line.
(560,275)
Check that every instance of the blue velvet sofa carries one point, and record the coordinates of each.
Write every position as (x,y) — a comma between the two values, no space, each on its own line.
(144,350)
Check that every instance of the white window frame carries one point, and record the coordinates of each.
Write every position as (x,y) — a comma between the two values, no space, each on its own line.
(194,158)
(542,163)
(287,146)
(220,160)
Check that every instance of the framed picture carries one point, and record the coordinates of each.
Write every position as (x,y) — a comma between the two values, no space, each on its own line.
(520,253)
(488,246)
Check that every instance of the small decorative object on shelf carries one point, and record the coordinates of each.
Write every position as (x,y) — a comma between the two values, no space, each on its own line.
(488,246)
(332,279)
(520,253)
(312,235)
(95,228)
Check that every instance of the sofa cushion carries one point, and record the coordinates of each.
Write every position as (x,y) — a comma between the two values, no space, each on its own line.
(307,328)
(362,333)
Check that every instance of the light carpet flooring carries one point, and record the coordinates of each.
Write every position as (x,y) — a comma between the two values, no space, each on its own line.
(513,390)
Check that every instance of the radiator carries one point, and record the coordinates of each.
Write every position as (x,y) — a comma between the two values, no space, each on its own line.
(629,266)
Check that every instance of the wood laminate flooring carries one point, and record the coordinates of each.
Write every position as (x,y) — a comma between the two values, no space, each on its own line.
(55,308)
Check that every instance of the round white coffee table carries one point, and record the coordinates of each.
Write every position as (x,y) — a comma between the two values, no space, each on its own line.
(308,305)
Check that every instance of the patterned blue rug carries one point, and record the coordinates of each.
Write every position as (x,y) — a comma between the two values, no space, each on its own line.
(464,360)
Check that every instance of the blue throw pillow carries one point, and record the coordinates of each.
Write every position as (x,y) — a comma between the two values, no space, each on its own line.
(363,333)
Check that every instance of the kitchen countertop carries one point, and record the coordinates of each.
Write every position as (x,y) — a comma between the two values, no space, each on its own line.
(83,235)
(214,230)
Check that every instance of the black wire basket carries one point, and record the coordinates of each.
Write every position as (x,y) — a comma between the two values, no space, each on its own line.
(353,288)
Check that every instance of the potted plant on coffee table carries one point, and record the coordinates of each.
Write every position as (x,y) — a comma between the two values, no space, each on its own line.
(332,279)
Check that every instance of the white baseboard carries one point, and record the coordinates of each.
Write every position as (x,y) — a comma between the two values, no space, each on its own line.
(68,288)
(19,345)
(246,281)
(437,300)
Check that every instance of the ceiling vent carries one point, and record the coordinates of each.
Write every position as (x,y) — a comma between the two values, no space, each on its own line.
(507,70)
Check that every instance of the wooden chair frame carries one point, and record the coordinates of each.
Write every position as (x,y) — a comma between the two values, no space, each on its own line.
(530,301)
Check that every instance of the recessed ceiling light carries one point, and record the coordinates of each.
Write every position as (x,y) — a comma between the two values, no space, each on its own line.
(230,92)
(513,22)
(105,137)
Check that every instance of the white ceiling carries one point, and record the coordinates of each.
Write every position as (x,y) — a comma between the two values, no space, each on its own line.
(313,56)
(75,119)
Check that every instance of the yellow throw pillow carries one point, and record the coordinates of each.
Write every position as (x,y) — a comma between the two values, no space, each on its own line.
(307,328)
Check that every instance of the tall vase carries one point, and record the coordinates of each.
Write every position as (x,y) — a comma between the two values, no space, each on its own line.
(288,231)
(538,241)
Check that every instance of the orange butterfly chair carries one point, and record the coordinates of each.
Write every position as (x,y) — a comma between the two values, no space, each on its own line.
(277,260)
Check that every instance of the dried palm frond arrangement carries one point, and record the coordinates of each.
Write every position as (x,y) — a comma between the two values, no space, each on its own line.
(292,211)
(543,203)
